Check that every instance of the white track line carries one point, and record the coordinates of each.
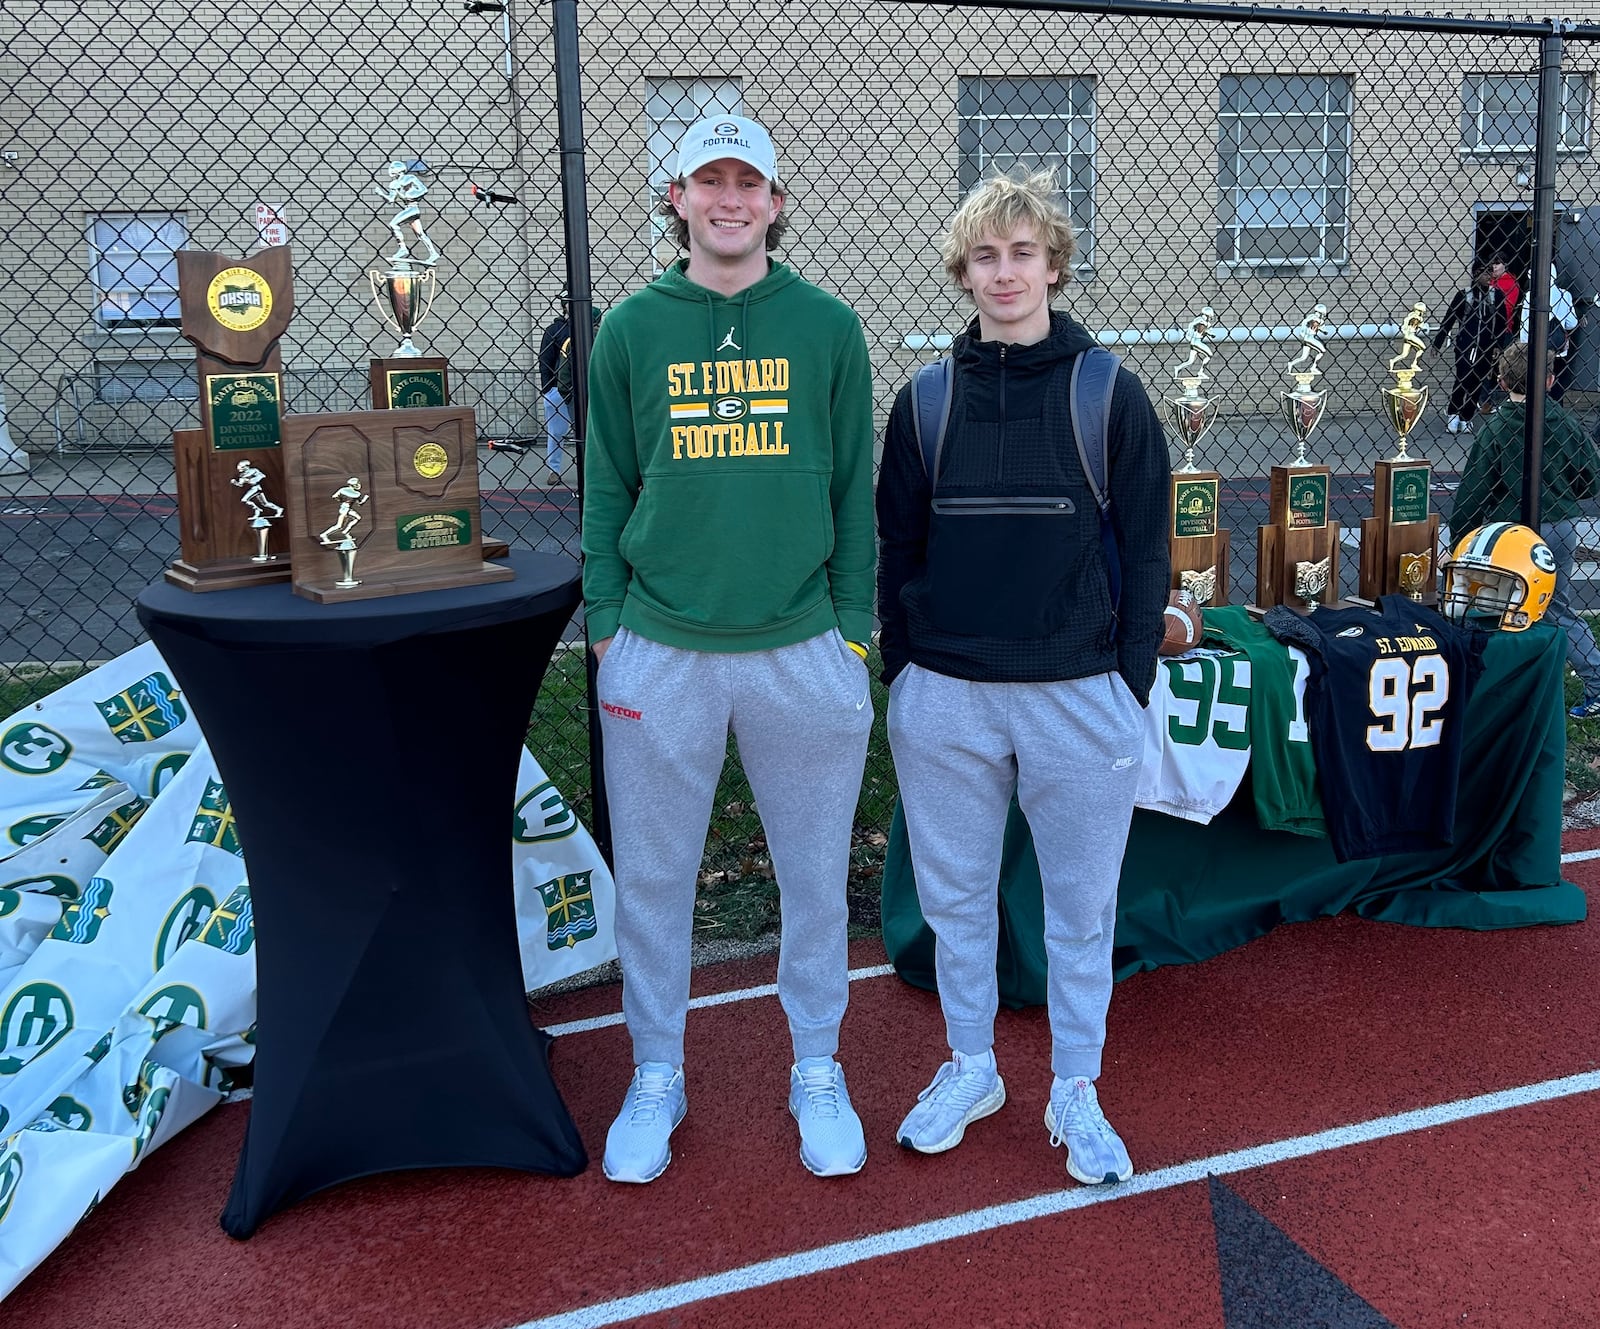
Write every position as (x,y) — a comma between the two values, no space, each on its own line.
(1580,855)
(844,1253)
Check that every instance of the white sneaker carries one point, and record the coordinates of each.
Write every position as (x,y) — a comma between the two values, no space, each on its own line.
(831,1140)
(1095,1152)
(1453,424)
(1466,426)
(638,1146)
(961,1093)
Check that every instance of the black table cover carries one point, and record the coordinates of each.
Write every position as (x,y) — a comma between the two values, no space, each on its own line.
(370,751)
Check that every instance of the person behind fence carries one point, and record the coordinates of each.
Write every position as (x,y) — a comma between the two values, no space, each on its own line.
(1016,665)
(728,573)
(557,417)
(1473,316)
(1559,339)
(1491,490)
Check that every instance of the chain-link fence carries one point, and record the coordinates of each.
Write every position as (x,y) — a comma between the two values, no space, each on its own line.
(1256,165)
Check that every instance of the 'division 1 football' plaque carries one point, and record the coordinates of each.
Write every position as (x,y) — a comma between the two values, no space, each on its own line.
(234,313)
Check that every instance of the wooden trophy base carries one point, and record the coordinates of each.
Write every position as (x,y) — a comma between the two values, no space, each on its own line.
(1195,542)
(1298,532)
(1402,522)
(410,382)
(213,526)
(394,583)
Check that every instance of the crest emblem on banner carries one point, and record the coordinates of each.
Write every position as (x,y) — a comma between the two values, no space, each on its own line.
(569,910)
(80,921)
(232,925)
(145,711)
(213,822)
(116,824)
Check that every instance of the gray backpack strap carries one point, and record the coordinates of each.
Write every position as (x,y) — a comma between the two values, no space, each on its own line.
(932,390)
(1094,376)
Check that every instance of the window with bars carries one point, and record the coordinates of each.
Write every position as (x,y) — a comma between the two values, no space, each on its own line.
(1009,123)
(1283,169)
(133,265)
(671,106)
(1500,112)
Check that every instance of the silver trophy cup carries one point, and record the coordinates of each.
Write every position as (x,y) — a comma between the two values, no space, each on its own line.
(405,296)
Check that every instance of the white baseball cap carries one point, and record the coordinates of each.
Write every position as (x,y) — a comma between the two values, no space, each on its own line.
(721,136)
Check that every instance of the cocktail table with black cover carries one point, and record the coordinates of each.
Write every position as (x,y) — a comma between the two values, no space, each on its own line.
(370,753)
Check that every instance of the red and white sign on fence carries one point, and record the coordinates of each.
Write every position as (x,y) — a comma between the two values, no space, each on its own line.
(271,224)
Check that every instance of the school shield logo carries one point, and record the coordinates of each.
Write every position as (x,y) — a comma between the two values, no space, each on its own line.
(116,824)
(232,925)
(569,910)
(80,921)
(213,822)
(144,712)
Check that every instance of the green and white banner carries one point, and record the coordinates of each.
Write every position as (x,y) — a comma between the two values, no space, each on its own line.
(127,966)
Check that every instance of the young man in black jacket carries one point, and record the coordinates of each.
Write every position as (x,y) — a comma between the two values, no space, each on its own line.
(1011,667)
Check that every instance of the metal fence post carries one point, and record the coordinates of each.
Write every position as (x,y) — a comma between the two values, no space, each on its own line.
(1544,255)
(580,324)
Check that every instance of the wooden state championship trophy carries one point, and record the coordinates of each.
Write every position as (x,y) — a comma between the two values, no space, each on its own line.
(1197,545)
(408,378)
(1399,540)
(229,472)
(1297,552)
(384,503)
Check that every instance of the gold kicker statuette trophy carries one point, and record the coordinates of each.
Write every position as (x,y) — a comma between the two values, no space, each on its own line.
(1399,539)
(1297,552)
(1198,546)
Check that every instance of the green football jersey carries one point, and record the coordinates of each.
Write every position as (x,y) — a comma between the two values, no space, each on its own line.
(1283,770)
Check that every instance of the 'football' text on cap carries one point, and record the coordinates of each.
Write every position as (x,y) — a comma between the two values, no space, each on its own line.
(720,136)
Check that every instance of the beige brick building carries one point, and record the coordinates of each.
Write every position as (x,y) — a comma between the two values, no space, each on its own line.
(1256,169)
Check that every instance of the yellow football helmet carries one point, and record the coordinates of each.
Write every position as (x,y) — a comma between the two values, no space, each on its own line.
(1501,576)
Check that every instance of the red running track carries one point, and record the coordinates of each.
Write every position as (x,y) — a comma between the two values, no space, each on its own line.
(1492,1219)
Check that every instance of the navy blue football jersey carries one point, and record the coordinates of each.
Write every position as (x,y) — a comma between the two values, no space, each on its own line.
(1386,703)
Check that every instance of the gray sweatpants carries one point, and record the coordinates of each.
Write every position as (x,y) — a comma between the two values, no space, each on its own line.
(1071,752)
(801,716)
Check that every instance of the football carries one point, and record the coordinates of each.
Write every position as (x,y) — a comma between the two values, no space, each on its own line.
(1184,626)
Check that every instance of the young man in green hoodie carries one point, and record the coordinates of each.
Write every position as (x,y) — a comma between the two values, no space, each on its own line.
(728,580)
(1491,490)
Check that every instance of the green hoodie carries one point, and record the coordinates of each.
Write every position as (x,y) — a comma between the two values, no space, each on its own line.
(727,500)
(1491,484)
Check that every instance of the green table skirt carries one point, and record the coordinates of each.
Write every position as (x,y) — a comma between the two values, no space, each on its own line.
(1190,891)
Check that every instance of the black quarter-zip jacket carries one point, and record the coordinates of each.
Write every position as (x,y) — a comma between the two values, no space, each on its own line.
(999,575)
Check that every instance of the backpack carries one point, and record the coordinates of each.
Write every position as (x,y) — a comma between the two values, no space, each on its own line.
(564,363)
(1094,375)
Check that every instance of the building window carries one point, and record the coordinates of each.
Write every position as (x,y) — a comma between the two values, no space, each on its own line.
(1003,123)
(671,106)
(121,381)
(1500,113)
(1283,169)
(134,267)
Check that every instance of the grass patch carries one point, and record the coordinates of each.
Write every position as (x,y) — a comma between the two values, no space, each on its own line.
(22,685)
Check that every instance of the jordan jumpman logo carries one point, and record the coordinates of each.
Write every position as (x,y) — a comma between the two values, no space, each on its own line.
(728,343)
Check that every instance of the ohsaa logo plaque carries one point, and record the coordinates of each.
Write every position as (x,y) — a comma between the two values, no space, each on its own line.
(239,299)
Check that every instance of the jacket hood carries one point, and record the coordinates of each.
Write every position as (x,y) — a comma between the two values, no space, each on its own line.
(1065,340)
(674,284)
